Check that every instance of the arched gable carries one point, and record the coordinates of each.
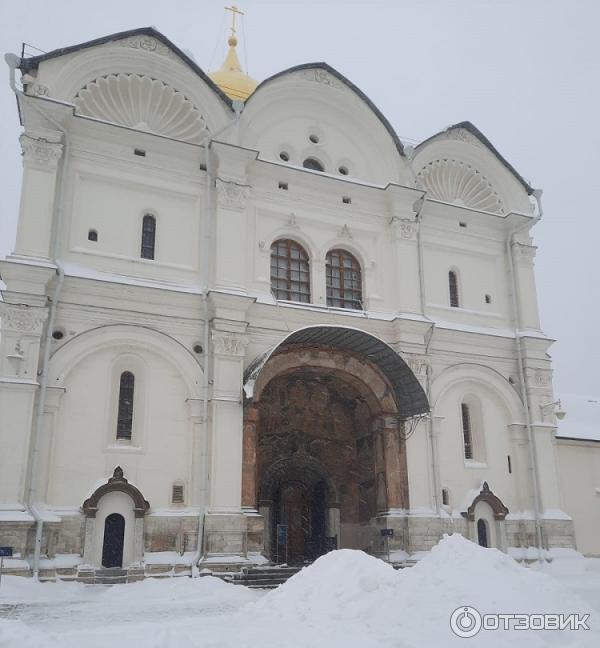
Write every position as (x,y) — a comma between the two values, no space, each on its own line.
(121,337)
(288,109)
(131,78)
(460,165)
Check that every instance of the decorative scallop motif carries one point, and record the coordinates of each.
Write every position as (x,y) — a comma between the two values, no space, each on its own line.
(457,182)
(143,103)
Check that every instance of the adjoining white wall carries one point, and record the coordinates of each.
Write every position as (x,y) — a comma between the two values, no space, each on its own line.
(579,471)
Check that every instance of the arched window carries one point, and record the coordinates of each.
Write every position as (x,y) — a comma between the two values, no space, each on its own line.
(453,289)
(313,164)
(148,236)
(125,415)
(467,432)
(290,274)
(343,280)
(482,533)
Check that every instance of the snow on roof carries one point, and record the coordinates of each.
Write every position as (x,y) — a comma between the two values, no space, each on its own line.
(583,417)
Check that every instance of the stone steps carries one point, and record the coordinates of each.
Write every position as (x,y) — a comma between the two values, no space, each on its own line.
(261,577)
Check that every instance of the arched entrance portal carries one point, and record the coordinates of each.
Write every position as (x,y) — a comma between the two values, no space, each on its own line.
(324,449)
(114,537)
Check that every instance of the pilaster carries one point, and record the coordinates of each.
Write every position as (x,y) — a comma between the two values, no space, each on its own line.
(41,156)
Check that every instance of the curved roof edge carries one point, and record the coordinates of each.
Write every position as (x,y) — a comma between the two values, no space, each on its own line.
(33,62)
(340,77)
(471,128)
(408,392)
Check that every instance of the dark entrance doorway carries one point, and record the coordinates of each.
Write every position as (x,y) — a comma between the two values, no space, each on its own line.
(482,533)
(114,535)
(301,508)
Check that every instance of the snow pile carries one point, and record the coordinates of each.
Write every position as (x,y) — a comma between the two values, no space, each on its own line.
(346,599)
(412,607)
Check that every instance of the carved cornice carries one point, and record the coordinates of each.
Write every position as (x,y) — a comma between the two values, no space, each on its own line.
(232,195)
(40,151)
(22,319)
(225,343)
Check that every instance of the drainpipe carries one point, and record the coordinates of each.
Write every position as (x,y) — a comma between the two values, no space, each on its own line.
(238,107)
(13,62)
(432,441)
(510,242)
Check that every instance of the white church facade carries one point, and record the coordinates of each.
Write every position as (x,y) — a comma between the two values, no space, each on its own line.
(245,322)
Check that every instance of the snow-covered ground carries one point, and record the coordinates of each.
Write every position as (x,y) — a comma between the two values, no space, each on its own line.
(345,599)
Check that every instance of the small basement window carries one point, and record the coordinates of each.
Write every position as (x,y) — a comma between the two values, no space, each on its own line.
(139,152)
(283,186)
(93,236)
(177,494)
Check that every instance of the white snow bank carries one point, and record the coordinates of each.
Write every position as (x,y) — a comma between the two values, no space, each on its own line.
(346,599)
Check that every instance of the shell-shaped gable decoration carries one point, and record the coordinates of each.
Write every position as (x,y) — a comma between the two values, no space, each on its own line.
(142,103)
(457,182)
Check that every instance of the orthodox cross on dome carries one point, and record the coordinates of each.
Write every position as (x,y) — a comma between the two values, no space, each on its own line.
(234,11)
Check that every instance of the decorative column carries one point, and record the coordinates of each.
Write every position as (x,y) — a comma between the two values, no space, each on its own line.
(198,494)
(21,328)
(41,156)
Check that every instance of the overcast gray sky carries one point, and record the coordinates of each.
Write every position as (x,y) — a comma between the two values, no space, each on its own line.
(525,72)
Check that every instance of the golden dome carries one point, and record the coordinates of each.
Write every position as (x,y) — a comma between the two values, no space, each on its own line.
(231,78)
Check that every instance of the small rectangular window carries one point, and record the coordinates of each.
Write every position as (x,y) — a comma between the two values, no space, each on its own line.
(177,495)
(467,434)
(509,465)
(346,200)
(283,186)
(202,166)
(453,289)
(139,152)
(462,224)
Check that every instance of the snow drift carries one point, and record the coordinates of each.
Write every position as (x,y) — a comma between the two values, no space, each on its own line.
(346,599)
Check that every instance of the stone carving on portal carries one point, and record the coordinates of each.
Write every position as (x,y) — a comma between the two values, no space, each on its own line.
(458,182)
(232,195)
(40,150)
(144,103)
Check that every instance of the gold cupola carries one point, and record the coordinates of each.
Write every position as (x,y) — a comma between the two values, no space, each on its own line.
(230,77)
